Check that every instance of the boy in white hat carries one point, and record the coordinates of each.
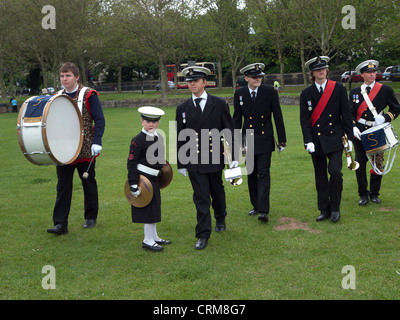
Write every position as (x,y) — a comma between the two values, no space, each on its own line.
(149,164)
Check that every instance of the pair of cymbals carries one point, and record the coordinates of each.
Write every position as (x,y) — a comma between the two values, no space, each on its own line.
(144,184)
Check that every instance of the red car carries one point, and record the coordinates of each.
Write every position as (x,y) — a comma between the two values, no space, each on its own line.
(357,77)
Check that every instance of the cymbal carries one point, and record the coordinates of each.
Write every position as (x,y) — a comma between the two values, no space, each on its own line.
(166,175)
(146,193)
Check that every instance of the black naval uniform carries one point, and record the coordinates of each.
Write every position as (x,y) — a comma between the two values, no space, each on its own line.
(138,155)
(326,134)
(205,173)
(384,98)
(257,115)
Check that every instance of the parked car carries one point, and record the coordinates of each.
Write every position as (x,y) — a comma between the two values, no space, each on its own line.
(386,73)
(241,82)
(171,85)
(345,76)
(357,77)
(395,73)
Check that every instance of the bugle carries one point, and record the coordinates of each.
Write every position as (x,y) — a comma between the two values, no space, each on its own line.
(351,164)
(234,175)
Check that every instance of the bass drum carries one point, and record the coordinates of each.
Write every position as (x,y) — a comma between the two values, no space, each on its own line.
(50,130)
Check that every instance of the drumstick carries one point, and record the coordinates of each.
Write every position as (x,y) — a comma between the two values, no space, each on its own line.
(86,174)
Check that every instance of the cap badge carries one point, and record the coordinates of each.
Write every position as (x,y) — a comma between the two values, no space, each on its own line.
(371,65)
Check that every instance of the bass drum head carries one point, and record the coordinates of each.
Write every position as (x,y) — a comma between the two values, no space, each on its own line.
(63,129)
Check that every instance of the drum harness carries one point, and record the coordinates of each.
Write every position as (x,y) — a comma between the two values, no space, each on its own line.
(370,107)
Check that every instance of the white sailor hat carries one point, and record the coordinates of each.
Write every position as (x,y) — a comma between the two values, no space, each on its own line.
(369,65)
(151,113)
(254,69)
(318,63)
(194,73)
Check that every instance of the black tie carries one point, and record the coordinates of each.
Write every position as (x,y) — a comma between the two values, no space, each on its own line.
(321,90)
(197,101)
(253,96)
(368,89)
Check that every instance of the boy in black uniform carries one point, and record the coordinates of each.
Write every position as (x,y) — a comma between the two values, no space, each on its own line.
(257,103)
(325,117)
(147,163)
(381,96)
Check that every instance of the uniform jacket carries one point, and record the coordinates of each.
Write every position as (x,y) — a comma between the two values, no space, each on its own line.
(258,116)
(202,150)
(384,98)
(334,122)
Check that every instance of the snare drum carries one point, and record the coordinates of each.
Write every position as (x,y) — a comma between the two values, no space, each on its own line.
(379,139)
(50,130)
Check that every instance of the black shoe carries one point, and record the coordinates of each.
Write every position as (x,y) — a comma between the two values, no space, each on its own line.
(163,242)
(263,217)
(89,223)
(201,244)
(252,212)
(323,216)
(335,216)
(220,227)
(58,229)
(155,247)
(375,199)
(363,201)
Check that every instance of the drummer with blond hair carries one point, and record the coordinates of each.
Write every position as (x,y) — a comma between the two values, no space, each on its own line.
(381,96)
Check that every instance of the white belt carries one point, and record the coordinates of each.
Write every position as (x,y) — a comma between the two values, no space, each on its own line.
(148,170)
(366,122)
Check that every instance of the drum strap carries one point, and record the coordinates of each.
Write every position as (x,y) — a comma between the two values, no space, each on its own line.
(367,100)
(322,102)
(80,98)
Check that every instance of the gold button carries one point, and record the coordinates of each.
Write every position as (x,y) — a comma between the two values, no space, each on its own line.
(262,125)
(330,116)
(210,150)
(262,117)
(330,123)
(318,125)
(251,126)
(319,133)
(331,132)
(262,132)
(251,118)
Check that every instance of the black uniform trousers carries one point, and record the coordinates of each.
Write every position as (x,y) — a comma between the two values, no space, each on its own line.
(65,175)
(361,174)
(259,182)
(205,185)
(329,191)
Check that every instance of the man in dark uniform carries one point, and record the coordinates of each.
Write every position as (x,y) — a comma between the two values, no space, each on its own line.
(380,96)
(256,103)
(325,117)
(200,121)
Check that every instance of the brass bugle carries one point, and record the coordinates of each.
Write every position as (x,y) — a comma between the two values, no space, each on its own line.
(228,156)
(351,164)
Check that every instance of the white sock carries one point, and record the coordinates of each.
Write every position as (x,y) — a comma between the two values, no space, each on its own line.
(149,233)
(155,235)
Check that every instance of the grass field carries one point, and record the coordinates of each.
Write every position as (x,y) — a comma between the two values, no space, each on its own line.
(283,259)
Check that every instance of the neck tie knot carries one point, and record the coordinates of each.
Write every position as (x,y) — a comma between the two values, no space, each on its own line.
(368,89)
(253,95)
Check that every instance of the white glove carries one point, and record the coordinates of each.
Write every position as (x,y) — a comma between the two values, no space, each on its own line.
(379,119)
(183,171)
(96,149)
(350,148)
(310,147)
(135,190)
(234,164)
(357,133)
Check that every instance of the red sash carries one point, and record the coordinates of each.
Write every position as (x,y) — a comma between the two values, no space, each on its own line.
(322,102)
(363,106)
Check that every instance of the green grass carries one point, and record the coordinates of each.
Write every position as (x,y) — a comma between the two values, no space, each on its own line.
(250,260)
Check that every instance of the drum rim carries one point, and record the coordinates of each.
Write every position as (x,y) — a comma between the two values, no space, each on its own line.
(44,134)
(19,132)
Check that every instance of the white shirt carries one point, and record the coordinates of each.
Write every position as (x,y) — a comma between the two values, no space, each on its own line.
(203,100)
(150,134)
(251,90)
(322,85)
(371,85)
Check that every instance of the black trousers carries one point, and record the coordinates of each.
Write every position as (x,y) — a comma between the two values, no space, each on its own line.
(65,175)
(208,189)
(259,182)
(361,174)
(329,190)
